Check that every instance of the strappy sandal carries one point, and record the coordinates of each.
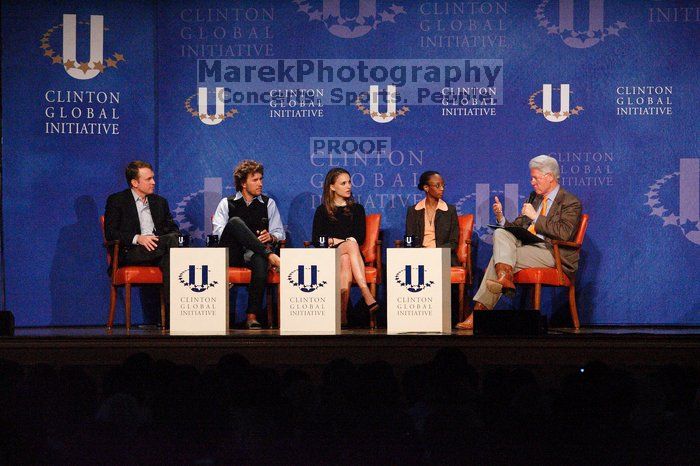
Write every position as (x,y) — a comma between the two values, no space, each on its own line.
(373,308)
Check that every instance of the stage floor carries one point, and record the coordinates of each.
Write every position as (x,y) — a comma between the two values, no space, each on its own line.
(637,349)
(155,332)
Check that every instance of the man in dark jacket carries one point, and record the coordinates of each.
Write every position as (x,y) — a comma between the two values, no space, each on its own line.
(142,222)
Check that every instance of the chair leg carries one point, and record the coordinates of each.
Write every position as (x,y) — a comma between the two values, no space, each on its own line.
(127,305)
(537,296)
(112,305)
(344,303)
(461,302)
(572,306)
(279,303)
(373,317)
(162,307)
(268,298)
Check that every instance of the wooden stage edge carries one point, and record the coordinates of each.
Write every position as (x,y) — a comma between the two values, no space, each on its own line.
(633,348)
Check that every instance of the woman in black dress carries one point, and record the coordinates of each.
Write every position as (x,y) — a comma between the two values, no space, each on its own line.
(342,221)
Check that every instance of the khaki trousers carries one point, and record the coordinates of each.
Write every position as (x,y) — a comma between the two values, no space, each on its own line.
(507,249)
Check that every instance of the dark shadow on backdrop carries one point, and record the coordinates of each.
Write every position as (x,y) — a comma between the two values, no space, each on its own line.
(78,279)
(587,281)
(79,283)
(299,230)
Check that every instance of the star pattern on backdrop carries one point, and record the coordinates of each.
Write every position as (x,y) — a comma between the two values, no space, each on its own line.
(689,227)
(70,64)
(386,16)
(565,33)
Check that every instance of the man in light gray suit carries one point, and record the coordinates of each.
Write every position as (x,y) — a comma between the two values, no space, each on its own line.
(554,214)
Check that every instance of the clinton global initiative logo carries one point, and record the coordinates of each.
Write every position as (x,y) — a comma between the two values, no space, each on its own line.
(305,278)
(670,11)
(413,278)
(389,97)
(464,25)
(202,112)
(675,198)
(644,100)
(68,60)
(188,278)
(565,110)
(480,202)
(591,169)
(573,37)
(353,21)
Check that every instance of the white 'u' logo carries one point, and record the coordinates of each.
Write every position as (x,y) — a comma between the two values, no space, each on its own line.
(96,45)
(547,103)
(390,106)
(595,22)
(202,106)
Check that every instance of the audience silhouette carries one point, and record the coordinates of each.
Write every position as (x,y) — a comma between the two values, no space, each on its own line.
(148,411)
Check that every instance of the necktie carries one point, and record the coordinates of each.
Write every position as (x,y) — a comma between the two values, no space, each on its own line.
(543,213)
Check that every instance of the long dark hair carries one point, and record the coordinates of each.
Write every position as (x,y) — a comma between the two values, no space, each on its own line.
(328,195)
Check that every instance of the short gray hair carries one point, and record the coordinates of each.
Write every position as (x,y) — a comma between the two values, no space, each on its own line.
(545,164)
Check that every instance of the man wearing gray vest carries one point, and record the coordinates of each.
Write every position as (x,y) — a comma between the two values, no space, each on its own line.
(249,224)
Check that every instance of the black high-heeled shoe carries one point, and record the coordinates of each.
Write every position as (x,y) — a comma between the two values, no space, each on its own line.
(373,309)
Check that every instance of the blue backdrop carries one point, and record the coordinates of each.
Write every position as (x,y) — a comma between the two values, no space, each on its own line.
(471,83)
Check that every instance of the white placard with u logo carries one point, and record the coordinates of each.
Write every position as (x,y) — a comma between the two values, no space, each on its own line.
(418,290)
(199,291)
(310,291)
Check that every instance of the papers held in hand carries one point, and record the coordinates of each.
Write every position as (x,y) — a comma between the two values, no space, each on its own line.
(523,234)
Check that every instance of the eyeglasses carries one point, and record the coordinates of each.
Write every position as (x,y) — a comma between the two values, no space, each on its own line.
(538,178)
(437,185)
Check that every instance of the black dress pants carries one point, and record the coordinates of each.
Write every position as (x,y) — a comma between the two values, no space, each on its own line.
(160,257)
(238,238)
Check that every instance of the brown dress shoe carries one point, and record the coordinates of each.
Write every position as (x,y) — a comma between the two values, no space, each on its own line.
(480,307)
(468,323)
(504,284)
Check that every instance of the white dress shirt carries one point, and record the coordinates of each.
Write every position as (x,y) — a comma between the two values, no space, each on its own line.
(276,228)
(148,227)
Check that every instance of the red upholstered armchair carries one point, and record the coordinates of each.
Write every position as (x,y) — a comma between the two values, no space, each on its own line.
(462,274)
(554,276)
(371,251)
(127,276)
